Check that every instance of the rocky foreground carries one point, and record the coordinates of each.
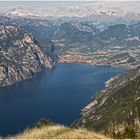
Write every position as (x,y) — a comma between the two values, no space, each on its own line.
(20,55)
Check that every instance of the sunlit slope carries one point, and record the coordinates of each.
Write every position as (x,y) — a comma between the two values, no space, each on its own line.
(57,132)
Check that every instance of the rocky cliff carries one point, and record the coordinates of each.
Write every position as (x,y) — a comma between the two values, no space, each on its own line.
(20,55)
(117,107)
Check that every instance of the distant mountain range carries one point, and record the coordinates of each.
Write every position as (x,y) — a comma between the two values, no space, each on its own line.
(96,10)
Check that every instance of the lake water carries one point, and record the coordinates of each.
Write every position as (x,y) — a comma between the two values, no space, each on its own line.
(58,95)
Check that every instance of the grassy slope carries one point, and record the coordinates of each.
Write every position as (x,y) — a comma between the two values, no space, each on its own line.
(57,132)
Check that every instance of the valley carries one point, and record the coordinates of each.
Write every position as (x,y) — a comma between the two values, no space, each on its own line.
(52,94)
(76,64)
(102,57)
(101,48)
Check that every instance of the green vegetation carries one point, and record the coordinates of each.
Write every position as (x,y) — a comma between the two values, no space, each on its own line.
(127,134)
(117,112)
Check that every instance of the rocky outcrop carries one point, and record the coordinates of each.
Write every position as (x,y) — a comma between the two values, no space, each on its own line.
(20,55)
(117,107)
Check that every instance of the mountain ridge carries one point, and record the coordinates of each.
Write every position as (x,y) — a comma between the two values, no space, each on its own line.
(116,107)
(20,55)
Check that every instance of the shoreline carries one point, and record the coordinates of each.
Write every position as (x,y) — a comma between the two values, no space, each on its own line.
(81,63)
(84,62)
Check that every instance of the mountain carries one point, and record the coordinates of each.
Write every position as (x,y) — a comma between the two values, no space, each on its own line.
(118,45)
(115,108)
(98,10)
(41,29)
(74,31)
(122,34)
(119,32)
(20,55)
(102,13)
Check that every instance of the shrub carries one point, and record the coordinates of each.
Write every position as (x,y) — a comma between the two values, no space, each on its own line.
(43,122)
(129,133)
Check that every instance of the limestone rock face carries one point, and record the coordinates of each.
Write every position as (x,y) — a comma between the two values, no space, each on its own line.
(20,55)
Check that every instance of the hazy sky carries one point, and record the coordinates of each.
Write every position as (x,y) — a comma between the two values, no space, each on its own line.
(41,3)
(5,3)
(132,6)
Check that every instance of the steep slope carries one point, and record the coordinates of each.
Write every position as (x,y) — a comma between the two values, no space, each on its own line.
(76,32)
(41,29)
(115,108)
(122,35)
(20,55)
(73,34)
(55,131)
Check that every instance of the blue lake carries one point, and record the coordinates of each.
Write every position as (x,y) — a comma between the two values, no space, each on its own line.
(58,95)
